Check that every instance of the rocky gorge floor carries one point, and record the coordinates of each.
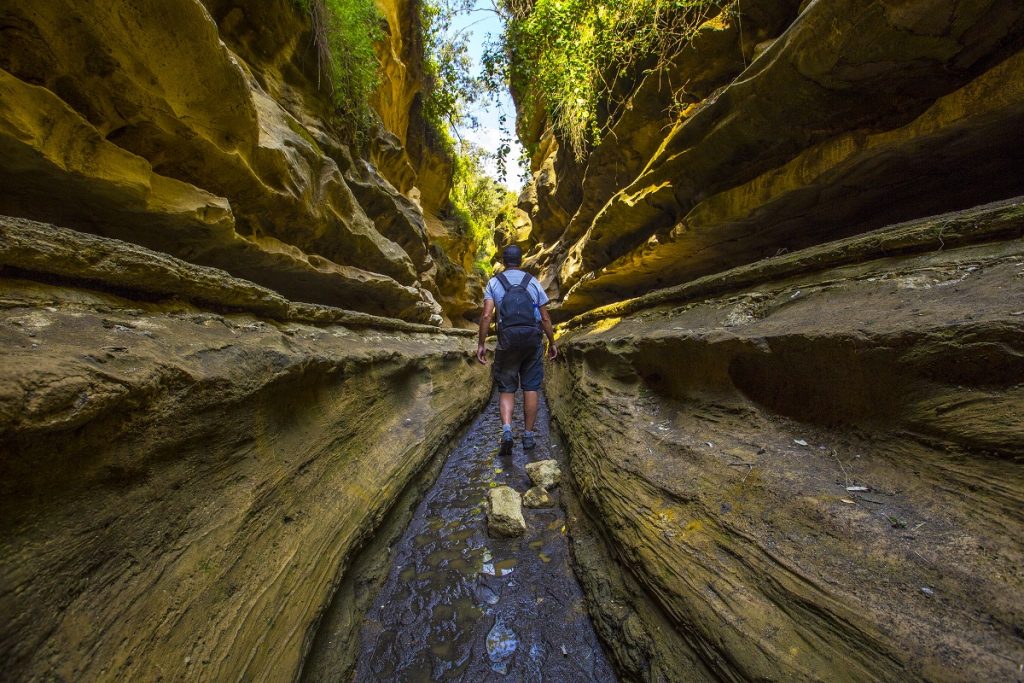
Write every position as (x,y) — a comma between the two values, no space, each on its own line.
(460,604)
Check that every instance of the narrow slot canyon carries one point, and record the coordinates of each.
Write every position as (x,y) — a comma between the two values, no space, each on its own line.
(245,434)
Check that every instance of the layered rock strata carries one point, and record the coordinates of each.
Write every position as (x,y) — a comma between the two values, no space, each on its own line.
(810,468)
(190,460)
(205,130)
(781,127)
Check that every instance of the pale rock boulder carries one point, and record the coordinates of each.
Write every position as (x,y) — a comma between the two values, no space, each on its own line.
(537,497)
(505,512)
(544,473)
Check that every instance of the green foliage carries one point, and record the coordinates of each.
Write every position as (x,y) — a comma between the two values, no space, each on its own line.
(570,54)
(344,32)
(449,86)
(476,202)
(479,203)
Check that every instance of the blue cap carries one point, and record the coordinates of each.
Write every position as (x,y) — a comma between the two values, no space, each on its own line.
(512,255)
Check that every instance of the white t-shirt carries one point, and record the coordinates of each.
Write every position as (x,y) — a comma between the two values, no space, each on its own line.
(496,292)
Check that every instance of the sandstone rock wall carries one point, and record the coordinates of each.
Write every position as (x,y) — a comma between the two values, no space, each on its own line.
(793,428)
(190,460)
(205,130)
(222,365)
(810,468)
(783,125)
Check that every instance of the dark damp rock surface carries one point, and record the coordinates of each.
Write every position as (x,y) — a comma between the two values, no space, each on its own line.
(460,605)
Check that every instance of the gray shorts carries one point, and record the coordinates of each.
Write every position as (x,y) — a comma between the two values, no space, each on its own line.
(512,368)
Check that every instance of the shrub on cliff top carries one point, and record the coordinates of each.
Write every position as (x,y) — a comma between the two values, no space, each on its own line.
(344,33)
(449,88)
(569,55)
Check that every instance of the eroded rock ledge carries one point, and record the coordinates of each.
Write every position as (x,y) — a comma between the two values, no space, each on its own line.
(202,130)
(714,436)
(781,127)
(189,464)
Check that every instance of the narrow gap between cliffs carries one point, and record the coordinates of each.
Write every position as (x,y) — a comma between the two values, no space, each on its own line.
(444,600)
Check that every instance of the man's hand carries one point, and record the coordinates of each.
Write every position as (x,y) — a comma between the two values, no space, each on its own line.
(549,332)
(485,326)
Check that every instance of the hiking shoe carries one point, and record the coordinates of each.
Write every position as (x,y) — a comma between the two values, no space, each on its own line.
(506,442)
(529,440)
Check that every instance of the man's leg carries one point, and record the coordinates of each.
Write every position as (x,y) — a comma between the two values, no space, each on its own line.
(506,374)
(506,402)
(530,408)
(532,377)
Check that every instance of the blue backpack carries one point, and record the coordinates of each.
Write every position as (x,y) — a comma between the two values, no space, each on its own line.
(518,329)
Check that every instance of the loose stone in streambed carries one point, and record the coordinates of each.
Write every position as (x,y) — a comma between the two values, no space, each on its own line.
(537,497)
(544,473)
(505,512)
(501,645)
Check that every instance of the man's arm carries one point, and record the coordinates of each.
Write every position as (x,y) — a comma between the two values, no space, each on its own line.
(485,326)
(549,331)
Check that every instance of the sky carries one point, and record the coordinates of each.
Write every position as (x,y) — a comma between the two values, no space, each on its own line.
(479,24)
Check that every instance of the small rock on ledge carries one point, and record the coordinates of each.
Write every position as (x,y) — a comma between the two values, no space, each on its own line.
(537,497)
(544,473)
(505,512)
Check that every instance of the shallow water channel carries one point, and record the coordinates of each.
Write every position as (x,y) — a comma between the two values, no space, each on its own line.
(460,605)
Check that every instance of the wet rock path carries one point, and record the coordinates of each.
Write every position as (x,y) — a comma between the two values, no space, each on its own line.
(460,605)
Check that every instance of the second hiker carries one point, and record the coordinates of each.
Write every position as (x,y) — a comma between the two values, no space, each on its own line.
(519,359)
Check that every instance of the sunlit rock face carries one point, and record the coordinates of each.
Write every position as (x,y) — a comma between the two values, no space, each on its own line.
(190,460)
(206,131)
(810,468)
(792,417)
(786,129)
(419,165)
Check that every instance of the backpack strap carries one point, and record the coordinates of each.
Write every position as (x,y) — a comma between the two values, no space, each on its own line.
(504,281)
(524,283)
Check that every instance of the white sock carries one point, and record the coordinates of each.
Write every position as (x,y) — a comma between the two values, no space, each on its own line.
(506,428)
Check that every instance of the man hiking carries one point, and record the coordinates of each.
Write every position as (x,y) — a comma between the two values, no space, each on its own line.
(519,359)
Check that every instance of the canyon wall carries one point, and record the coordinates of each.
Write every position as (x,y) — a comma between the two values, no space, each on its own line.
(811,468)
(781,126)
(190,460)
(207,131)
(792,415)
(219,324)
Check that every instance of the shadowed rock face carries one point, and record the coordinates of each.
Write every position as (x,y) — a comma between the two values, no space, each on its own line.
(202,131)
(191,460)
(851,116)
(816,475)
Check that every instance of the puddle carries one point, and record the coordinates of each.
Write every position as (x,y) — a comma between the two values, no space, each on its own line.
(461,606)
(501,644)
